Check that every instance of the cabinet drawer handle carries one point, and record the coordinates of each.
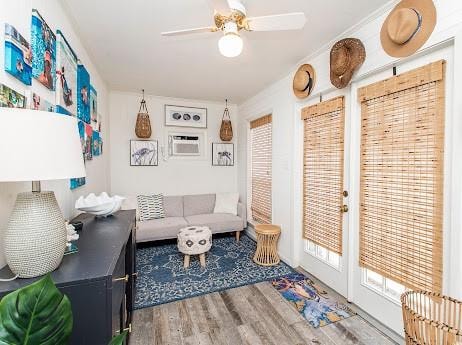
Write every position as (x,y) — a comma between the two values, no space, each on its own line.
(128,329)
(124,278)
(135,274)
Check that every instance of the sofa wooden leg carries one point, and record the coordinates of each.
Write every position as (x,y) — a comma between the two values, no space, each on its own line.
(202,259)
(186,261)
(238,236)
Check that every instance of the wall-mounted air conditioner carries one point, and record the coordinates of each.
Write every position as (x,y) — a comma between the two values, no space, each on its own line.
(185,144)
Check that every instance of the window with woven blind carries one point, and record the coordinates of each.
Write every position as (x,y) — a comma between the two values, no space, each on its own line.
(261,161)
(323,173)
(401,187)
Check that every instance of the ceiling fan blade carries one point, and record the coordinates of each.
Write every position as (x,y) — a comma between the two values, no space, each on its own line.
(225,6)
(288,21)
(189,31)
(220,6)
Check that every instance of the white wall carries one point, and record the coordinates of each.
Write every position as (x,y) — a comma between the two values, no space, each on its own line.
(18,13)
(279,100)
(175,176)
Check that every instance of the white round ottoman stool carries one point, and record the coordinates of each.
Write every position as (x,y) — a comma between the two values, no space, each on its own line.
(194,240)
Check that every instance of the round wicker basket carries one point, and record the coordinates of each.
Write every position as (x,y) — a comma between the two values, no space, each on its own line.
(431,318)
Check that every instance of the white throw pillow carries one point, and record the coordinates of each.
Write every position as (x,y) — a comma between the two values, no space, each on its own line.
(226,203)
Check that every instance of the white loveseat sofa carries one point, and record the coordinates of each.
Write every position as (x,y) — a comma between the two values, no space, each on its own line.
(182,211)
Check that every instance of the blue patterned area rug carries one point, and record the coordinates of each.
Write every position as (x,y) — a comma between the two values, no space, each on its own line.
(311,301)
(162,278)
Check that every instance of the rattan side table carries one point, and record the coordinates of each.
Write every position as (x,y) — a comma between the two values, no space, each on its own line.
(267,240)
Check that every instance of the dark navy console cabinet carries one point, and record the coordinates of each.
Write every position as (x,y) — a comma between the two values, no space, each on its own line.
(99,280)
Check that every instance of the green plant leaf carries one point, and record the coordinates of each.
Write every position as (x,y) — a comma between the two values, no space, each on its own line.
(36,314)
(119,340)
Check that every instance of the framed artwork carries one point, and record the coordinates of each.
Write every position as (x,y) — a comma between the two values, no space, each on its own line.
(43,43)
(99,119)
(11,98)
(83,94)
(88,142)
(66,73)
(144,153)
(94,108)
(37,102)
(180,116)
(222,154)
(77,182)
(81,129)
(95,144)
(18,55)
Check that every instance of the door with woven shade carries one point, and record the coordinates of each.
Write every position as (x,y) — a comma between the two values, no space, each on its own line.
(400,197)
(260,169)
(324,196)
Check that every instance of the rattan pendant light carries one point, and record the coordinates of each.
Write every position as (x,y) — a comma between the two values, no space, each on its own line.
(226,129)
(143,124)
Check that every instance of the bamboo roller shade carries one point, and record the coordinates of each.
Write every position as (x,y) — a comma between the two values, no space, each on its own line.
(323,173)
(401,188)
(261,160)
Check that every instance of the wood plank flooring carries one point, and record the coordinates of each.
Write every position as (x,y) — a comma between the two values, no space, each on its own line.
(249,315)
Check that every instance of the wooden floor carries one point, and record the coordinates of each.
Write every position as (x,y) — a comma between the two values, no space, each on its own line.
(254,315)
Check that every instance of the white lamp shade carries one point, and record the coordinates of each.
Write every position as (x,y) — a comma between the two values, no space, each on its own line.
(38,145)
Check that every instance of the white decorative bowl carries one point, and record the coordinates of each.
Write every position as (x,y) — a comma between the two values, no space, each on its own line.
(101,206)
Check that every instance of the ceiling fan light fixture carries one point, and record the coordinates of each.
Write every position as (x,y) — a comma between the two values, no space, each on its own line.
(230,45)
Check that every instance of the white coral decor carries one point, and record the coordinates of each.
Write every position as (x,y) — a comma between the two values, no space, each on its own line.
(102,205)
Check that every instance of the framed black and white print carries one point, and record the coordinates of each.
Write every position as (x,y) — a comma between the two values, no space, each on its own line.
(179,116)
(222,154)
(144,153)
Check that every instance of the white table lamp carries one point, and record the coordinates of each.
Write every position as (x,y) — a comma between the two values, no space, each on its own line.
(37,146)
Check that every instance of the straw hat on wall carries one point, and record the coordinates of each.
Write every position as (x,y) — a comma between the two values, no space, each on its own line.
(346,56)
(408,27)
(304,80)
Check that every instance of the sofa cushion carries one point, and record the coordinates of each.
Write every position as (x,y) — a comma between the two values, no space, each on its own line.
(159,229)
(217,222)
(198,204)
(173,206)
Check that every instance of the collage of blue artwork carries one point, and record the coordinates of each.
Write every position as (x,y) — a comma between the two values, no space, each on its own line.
(50,60)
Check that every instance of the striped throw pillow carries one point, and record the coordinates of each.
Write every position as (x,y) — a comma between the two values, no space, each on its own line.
(151,206)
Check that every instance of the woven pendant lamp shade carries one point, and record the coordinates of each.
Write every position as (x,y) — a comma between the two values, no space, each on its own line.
(226,128)
(143,124)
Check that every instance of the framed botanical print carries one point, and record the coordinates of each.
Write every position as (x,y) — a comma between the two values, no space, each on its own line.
(144,153)
(223,154)
(179,116)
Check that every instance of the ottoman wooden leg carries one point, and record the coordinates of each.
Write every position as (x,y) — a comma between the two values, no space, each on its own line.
(202,259)
(186,261)
(238,235)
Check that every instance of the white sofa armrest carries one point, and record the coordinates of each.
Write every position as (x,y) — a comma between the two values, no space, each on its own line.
(242,213)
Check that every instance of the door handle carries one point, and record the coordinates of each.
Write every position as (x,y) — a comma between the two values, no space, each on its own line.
(344,208)
(124,278)
(128,329)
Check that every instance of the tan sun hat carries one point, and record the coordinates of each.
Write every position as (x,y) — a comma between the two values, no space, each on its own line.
(408,27)
(304,80)
(346,56)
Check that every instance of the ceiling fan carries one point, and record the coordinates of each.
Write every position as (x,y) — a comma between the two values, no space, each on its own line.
(231,17)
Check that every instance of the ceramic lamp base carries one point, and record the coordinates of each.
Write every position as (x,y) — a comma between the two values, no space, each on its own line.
(35,239)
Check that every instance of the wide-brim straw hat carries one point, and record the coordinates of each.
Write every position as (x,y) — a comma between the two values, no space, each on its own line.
(346,56)
(304,81)
(408,27)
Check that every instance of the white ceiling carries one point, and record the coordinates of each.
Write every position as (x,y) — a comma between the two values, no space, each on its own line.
(123,39)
